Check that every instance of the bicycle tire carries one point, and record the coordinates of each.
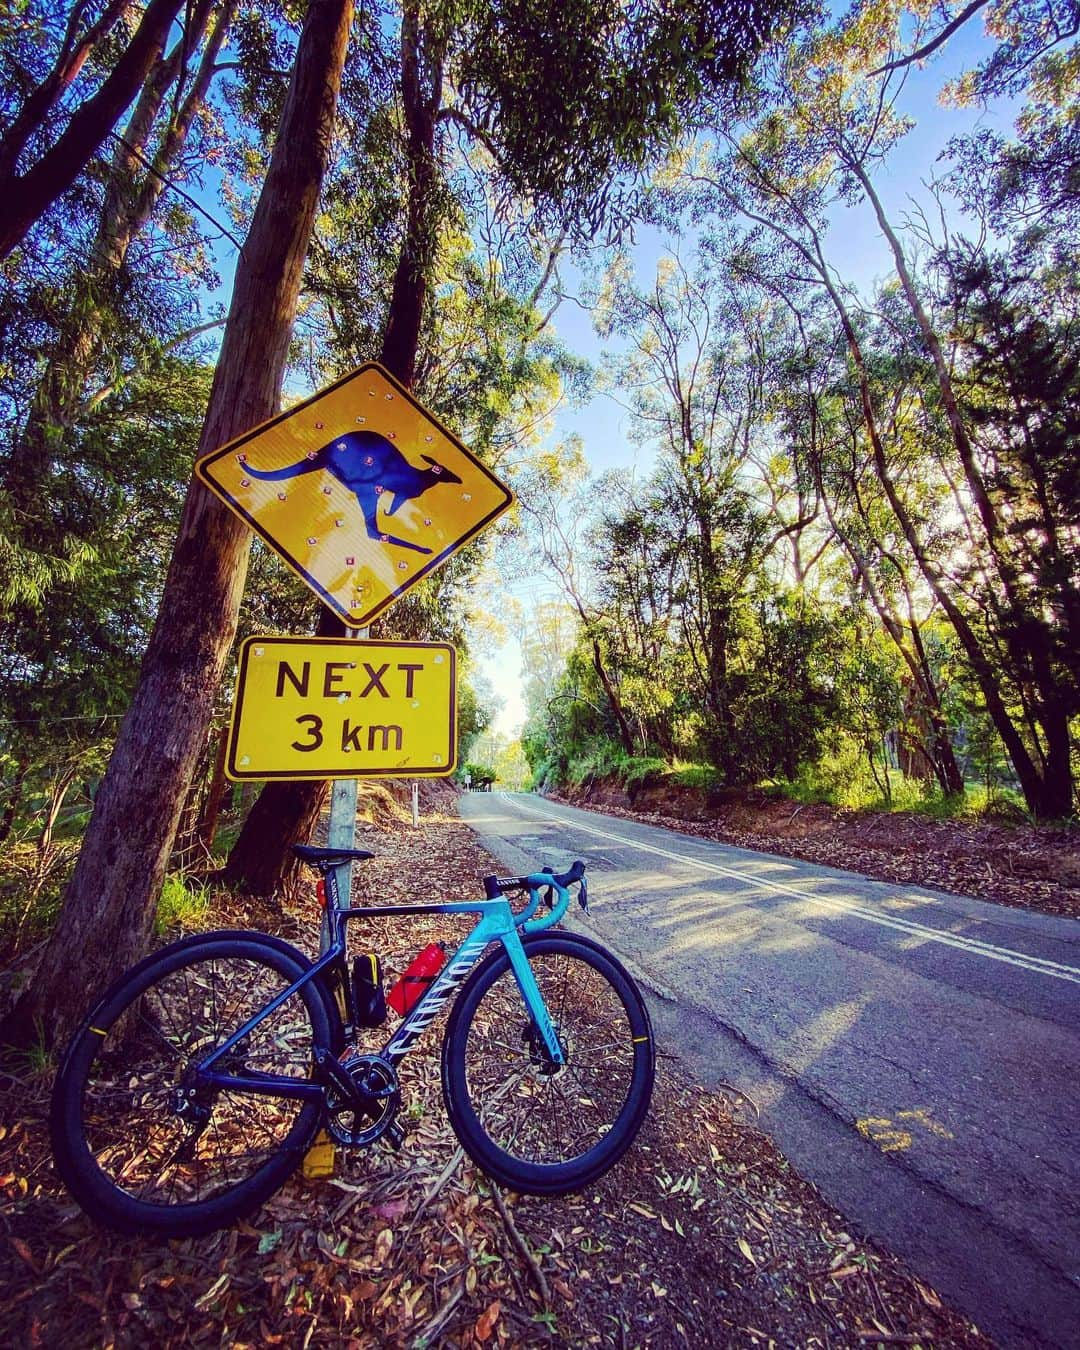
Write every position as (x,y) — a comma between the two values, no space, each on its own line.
(531,1127)
(119,1144)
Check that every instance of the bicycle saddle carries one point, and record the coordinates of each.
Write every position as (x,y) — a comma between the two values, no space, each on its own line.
(329,857)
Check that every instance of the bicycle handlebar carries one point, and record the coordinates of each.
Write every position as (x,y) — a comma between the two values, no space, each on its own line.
(537,884)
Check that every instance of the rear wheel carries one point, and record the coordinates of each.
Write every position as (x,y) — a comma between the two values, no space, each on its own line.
(139,1142)
(531,1124)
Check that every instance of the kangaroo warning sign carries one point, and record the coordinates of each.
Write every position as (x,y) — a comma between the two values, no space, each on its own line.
(322,708)
(359,489)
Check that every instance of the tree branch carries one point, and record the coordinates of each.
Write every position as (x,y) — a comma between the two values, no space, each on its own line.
(470,127)
(931,46)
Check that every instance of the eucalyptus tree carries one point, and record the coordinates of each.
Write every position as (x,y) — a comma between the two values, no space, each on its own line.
(63,116)
(635,558)
(108,907)
(95,337)
(694,371)
(68,667)
(823,138)
(818,408)
(559,498)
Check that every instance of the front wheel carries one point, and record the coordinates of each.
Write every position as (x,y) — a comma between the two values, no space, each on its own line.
(531,1124)
(138,1141)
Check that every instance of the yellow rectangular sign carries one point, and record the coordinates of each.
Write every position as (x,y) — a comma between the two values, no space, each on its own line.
(313,708)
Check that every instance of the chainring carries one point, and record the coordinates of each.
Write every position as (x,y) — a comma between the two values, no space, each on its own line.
(378,1100)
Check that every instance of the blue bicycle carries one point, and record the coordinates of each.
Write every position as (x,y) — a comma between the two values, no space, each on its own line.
(198,1082)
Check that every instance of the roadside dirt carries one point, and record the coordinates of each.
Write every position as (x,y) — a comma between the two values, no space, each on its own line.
(702,1236)
(1026,866)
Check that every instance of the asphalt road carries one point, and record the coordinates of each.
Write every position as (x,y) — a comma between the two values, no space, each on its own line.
(915,1054)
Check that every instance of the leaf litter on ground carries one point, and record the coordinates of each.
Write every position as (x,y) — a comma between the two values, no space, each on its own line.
(703,1235)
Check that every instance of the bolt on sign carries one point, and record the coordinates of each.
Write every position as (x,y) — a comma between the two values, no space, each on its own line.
(359,489)
(319,708)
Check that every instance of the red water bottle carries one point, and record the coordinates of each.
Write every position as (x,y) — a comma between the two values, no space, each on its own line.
(416,978)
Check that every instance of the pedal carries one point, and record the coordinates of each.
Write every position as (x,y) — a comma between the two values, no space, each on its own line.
(394,1136)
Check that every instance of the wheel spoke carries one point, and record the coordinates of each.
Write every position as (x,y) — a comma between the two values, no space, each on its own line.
(138,1138)
(532,1110)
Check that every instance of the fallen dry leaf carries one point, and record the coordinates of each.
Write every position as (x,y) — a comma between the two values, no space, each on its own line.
(485,1323)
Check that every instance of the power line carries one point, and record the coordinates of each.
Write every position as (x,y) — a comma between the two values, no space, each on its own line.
(176,188)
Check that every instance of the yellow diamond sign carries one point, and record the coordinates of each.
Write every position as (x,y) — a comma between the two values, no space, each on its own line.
(314,708)
(359,488)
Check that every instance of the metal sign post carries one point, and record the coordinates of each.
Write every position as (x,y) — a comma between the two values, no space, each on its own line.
(320,1159)
(340,834)
(341,831)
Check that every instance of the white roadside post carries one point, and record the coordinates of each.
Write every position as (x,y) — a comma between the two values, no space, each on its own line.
(415,804)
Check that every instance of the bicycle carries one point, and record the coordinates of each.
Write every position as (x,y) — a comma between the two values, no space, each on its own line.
(198,1082)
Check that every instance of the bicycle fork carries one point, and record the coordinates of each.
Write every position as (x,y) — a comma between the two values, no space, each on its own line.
(440,992)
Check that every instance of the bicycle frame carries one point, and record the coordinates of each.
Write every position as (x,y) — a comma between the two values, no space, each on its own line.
(497,923)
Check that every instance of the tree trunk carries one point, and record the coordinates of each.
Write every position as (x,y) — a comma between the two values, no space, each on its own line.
(402,335)
(261,860)
(1031,780)
(208,820)
(1027,771)
(108,910)
(927,699)
(1027,642)
(626,736)
(283,814)
(70,61)
(52,812)
(26,198)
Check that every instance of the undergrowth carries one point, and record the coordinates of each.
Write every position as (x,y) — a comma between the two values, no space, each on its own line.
(846,780)
(851,785)
(184,903)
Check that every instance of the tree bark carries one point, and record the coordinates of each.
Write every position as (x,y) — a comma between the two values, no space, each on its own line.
(261,860)
(402,335)
(25,198)
(108,910)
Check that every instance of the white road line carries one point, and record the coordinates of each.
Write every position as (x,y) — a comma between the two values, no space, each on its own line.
(974,946)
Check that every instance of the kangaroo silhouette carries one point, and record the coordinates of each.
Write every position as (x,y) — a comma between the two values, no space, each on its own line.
(372,468)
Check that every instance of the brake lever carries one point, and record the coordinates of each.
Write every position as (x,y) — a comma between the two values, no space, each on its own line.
(583,895)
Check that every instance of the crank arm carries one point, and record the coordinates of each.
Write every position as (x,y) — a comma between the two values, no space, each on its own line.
(333,1075)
